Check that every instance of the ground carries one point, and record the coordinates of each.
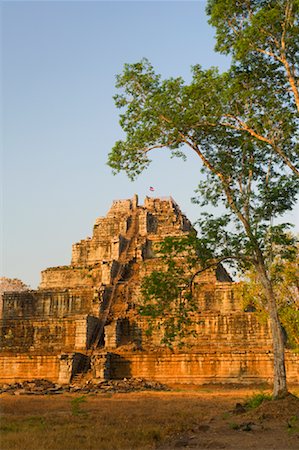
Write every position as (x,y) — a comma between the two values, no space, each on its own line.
(196,417)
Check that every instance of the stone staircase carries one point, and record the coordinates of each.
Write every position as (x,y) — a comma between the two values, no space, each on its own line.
(123,260)
(125,257)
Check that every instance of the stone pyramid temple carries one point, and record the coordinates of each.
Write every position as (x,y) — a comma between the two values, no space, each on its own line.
(83,318)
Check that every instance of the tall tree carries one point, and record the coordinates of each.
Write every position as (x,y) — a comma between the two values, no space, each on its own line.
(245,135)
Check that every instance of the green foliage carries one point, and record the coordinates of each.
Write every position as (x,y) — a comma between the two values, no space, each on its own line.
(253,25)
(262,38)
(256,400)
(32,423)
(289,317)
(293,424)
(167,299)
(241,173)
(76,405)
(284,274)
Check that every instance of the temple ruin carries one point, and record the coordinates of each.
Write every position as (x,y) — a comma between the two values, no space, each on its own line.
(84,317)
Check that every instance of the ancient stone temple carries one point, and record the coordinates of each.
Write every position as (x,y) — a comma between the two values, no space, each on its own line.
(83,318)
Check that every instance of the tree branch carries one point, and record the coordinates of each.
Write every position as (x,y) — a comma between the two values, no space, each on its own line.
(252,132)
(216,263)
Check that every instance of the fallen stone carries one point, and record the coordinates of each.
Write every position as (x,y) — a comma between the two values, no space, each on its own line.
(45,387)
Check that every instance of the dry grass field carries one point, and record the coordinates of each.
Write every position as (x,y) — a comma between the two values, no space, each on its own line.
(186,417)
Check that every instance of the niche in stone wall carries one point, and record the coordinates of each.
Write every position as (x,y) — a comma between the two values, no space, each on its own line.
(151,223)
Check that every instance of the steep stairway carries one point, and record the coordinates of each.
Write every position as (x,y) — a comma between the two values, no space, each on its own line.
(122,261)
(125,257)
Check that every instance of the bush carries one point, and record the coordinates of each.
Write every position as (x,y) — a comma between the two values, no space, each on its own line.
(256,400)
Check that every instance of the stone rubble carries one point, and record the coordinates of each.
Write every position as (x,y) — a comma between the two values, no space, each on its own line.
(45,387)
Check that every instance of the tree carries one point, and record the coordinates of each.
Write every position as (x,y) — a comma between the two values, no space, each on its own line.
(12,285)
(262,38)
(246,174)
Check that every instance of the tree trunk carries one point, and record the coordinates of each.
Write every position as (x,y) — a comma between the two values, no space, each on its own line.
(279,377)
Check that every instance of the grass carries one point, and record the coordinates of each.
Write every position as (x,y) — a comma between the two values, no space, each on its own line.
(76,404)
(234,426)
(226,415)
(293,424)
(256,400)
(33,423)
(97,422)
(144,420)
(77,432)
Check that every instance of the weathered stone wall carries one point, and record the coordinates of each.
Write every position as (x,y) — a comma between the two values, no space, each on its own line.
(219,296)
(68,277)
(44,304)
(55,367)
(238,366)
(157,218)
(214,332)
(169,219)
(47,335)
(21,367)
(107,231)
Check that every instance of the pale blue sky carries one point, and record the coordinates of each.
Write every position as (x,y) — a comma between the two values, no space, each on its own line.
(59,62)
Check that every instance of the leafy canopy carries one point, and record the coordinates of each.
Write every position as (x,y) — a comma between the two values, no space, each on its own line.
(242,173)
(262,38)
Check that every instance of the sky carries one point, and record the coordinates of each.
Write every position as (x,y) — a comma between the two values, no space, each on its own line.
(59,121)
